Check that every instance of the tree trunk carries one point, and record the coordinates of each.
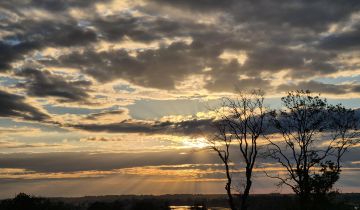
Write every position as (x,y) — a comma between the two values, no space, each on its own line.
(228,188)
(304,201)
(244,197)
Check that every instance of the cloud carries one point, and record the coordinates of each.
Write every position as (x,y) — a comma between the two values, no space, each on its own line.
(23,174)
(196,165)
(27,36)
(284,12)
(57,6)
(347,40)
(15,106)
(174,62)
(22,130)
(95,116)
(192,127)
(321,87)
(83,161)
(100,139)
(227,79)
(10,53)
(277,58)
(272,36)
(200,125)
(44,83)
(19,145)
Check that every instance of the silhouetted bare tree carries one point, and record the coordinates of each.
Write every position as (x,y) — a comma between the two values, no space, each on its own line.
(312,163)
(344,124)
(240,123)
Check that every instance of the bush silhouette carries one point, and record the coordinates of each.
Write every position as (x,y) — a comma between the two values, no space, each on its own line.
(23,202)
(106,206)
(149,205)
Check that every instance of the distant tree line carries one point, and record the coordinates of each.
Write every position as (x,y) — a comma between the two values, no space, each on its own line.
(23,202)
(258,202)
(307,138)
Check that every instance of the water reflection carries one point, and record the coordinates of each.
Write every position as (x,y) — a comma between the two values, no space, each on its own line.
(196,208)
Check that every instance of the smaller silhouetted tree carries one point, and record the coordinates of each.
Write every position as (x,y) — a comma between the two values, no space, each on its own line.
(239,125)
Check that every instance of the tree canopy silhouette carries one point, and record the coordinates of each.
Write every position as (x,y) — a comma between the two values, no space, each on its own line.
(315,136)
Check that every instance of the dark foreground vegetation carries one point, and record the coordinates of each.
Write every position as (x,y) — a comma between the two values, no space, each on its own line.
(314,136)
(128,202)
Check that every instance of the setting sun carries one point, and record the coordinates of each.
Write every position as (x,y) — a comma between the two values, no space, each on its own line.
(196,142)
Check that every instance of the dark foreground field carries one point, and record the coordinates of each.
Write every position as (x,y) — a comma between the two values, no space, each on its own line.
(178,202)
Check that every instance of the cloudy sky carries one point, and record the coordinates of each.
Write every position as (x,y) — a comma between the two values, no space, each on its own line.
(113,96)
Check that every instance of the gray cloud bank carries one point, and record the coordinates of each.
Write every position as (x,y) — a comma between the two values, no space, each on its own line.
(286,35)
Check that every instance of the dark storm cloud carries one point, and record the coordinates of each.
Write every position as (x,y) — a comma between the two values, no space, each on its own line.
(70,35)
(10,53)
(225,78)
(274,31)
(302,62)
(230,84)
(348,40)
(50,5)
(177,61)
(80,161)
(44,83)
(31,35)
(128,126)
(152,27)
(200,5)
(186,127)
(356,88)
(282,36)
(46,33)
(15,106)
(95,116)
(115,27)
(321,87)
(24,34)
(173,63)
(305,14)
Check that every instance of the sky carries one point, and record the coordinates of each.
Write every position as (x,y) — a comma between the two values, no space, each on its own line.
(113,96)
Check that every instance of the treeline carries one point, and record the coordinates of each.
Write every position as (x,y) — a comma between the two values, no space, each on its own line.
(24,202)
(198,202)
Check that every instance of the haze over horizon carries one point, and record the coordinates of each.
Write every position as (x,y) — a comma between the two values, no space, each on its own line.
(112,97)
